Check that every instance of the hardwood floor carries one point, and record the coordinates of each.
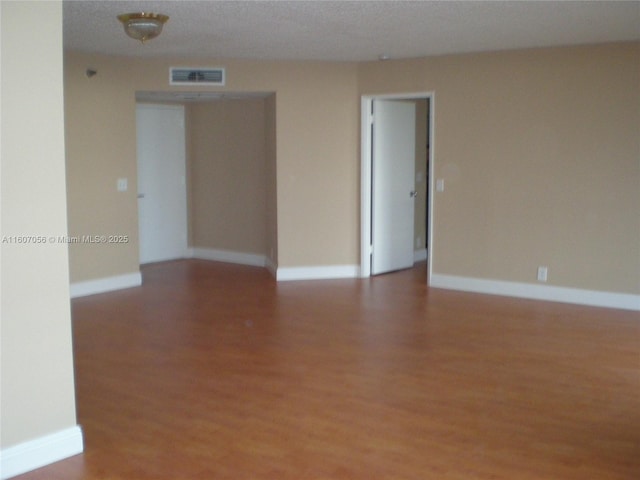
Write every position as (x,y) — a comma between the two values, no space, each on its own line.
(215,371)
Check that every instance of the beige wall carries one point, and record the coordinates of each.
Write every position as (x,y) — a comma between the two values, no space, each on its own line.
(538,148)
(228,175)
(37,372)
(540,154)
(100,129)
(313,157)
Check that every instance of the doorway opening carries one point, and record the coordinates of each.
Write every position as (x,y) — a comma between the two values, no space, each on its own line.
(422,244)
(230,174)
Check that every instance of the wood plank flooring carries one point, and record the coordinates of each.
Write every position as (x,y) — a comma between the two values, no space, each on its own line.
(215,371)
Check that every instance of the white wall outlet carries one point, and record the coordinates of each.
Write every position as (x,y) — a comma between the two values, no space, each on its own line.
(542,274)
(122,184)
(440,185)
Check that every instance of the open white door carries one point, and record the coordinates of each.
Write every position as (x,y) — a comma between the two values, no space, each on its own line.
(162,195)
(393,185)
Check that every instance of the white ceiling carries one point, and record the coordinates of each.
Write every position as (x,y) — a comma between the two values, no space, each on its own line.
(347,30)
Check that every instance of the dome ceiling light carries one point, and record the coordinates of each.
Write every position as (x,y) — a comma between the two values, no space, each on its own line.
(143,26)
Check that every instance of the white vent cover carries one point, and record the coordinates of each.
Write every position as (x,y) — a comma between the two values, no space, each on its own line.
(196,76)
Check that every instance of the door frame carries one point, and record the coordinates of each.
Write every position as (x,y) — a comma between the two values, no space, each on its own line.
(366,102)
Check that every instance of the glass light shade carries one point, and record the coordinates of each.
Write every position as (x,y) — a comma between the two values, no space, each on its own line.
(143,26)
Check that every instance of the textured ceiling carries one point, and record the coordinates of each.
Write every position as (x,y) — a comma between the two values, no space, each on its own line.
(348,30)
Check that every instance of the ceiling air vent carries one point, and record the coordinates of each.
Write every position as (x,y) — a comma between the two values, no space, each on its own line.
(196,76)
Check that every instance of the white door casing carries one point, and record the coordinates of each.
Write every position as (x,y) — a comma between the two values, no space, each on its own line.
(162,196)
(366,134)
(393,185)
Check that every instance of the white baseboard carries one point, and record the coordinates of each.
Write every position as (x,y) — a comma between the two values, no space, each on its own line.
(318,273)
(107,284)
(229,256)
(42,451)
(420,255)
(538,292)
(272,267)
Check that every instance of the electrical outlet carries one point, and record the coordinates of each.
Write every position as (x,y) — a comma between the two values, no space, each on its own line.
(122,185)
(440,185)
(542,274)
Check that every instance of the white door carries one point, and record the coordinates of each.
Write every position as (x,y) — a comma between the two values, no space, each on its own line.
(162,191)
(393,185)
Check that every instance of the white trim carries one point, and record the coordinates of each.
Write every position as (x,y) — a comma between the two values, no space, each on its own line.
(272,267)
(107,284)
(229,256)
(420,255)
(42,451)
(318,273)
(538,292)
(365,186)
(365,175)
(432,183)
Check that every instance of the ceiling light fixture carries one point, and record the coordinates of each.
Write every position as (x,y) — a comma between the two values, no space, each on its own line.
(143,26)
